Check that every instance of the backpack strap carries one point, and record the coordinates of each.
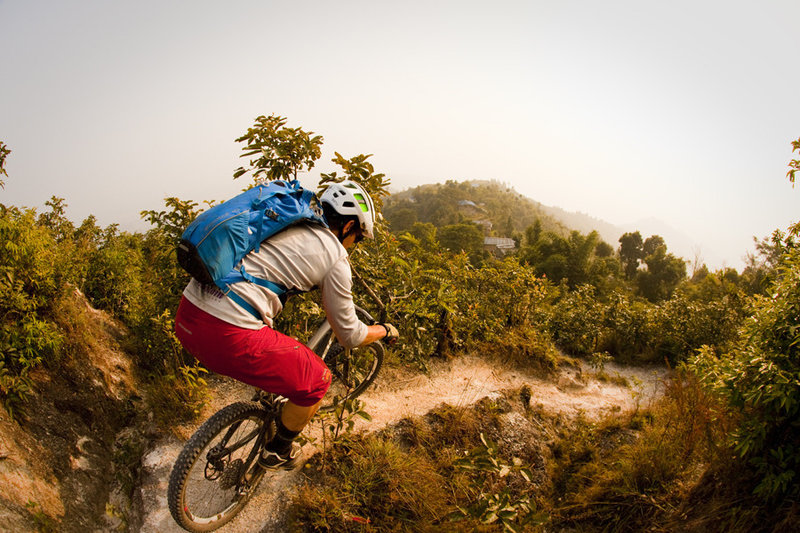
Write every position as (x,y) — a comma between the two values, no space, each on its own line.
(241,302)
(278,289)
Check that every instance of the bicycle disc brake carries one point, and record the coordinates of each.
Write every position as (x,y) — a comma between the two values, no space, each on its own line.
(215,463)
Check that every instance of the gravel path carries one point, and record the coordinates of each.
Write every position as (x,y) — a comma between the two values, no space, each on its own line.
(396,395)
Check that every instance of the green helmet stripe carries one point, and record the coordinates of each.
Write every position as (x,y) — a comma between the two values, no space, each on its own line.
(361,202)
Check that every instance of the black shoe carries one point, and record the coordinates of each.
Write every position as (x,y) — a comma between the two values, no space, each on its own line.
(274,461)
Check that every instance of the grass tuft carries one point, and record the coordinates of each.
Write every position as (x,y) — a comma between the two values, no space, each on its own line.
(630,471)
(525,348)
(370,480)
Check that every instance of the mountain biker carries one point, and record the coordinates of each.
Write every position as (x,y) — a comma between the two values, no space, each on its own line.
(229,340)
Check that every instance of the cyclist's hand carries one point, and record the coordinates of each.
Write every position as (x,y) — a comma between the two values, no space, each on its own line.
(391,333)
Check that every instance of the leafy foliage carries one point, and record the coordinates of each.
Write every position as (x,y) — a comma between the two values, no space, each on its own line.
(342,418)
(631,252)
(44,258)
(794,164)
(759,377)
(4,152)
(502,507)
(663,274)
(573,258)
(439,300)
(361,171)
(576,320)
(30,272)
(464,237)
(280,152)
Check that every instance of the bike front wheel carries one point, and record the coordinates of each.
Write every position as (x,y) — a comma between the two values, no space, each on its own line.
(353,371)
(217,471)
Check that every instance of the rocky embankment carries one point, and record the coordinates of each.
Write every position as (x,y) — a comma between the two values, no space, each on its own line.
(70,453)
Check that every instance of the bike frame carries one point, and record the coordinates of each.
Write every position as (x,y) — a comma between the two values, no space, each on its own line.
(324,334)
(217,459)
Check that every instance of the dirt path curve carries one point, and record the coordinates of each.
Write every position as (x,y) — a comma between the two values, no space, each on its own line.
(461,381)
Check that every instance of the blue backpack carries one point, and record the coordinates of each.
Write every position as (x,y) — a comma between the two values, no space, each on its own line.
(213,246)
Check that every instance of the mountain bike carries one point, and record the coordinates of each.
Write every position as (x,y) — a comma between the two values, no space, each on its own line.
(217,471)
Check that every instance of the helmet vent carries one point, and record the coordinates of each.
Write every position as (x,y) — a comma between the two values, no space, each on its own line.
(362,203)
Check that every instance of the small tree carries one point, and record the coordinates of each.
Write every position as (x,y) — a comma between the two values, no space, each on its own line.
(279,152)
(4,151)
(631,251)
(463,238)
(361,171)
(663,275)
(652,244)
(794,164)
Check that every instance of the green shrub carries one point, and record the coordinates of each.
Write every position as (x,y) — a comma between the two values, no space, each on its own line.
(44,259)
(525,347)
(440,301)
(759,377)
(177,396)
(114,280)
(513,512)
(30,269)
(576,321)
(685,325)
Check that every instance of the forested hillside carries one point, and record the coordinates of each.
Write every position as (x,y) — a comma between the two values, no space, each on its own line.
(501,210)
(560,294)
(498,208)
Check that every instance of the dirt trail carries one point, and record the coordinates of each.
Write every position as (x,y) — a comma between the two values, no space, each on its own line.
(461,381)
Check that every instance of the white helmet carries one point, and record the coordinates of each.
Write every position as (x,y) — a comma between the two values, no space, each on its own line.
(348,198)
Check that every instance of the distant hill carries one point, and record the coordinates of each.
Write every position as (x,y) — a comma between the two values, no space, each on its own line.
(586,224)
(503,212)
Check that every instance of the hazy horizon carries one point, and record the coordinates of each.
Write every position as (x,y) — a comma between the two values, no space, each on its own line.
(625,111)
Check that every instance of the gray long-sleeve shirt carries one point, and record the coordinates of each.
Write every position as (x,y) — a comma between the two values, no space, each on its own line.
(302,257)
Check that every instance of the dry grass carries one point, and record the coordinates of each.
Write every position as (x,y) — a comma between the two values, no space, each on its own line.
(637,472)
(405,478)
(363,481)
(662,469)
(524,348)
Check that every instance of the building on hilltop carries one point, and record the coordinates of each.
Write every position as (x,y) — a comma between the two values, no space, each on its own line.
(470,208)
(499,245)
(485,224)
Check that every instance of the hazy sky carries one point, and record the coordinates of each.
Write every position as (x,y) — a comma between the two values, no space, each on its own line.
(683,111)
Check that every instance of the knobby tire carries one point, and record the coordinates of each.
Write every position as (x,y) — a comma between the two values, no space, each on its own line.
(204,494)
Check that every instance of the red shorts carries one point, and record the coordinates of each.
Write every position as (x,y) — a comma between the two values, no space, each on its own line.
(264,358)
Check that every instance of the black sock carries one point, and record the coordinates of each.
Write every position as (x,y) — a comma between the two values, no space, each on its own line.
(282,441)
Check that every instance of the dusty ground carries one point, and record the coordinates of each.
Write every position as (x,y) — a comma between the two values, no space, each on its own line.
(399,394)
